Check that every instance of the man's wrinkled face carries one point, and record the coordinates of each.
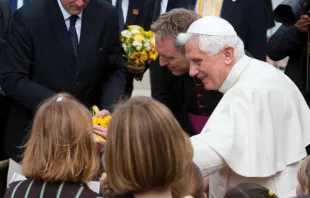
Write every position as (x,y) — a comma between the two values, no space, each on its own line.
(171,57)
(74,7)
(211,70)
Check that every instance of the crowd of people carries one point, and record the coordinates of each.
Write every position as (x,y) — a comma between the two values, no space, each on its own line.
(221,121)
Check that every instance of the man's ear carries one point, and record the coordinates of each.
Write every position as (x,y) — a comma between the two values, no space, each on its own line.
(229,55)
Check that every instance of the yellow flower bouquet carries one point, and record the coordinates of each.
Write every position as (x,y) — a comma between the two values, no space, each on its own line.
(139,45)
(101,122)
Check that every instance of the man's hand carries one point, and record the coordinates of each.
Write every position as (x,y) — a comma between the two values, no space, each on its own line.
(103,113)
(103,132)
(135,69)
(302,23)
(99,130)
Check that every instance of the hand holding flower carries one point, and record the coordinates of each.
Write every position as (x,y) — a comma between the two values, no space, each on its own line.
(101,132)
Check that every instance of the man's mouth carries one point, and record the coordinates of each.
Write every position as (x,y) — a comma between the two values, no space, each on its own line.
(203,77)
(171,68)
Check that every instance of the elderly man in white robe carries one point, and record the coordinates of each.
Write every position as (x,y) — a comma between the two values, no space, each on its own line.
(259,130)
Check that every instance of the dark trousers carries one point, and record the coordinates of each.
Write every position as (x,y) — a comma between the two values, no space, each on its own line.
(129,85)
(4,111)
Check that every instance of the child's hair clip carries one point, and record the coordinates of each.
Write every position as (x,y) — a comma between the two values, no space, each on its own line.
(59,99)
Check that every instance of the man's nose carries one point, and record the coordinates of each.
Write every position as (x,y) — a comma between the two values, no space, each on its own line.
(162,61)
(193,71)
(80,3)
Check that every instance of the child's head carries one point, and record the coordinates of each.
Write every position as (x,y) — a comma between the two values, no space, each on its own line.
(146,147)
(190,184)
(61,146)
(247,190)
(303,177)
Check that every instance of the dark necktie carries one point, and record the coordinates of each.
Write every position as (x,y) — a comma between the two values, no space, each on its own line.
(72,34)
(120,15)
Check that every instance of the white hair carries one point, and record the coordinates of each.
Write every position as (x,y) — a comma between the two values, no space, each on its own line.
(214,44)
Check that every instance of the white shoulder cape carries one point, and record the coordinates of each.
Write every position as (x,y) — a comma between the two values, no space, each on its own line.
(259,128)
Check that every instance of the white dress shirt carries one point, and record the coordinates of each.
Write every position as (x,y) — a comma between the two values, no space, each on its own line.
(163,7)
(125,5)
(67,15)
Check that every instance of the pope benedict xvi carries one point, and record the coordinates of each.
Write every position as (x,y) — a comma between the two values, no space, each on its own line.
(260,128)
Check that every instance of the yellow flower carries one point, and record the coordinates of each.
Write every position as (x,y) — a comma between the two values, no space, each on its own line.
(153,55)
(149,34)
(138,58)
(135,27)
(104,122)
(95,121)
(153,43)
(98,138)
(95,109)
(139,38)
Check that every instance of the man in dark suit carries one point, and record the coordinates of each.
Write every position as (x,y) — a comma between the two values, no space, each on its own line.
(185,96)
(134,12)
(165,87)
(5,18)
(59,46)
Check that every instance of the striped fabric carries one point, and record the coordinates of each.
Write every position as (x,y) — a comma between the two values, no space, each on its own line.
(34,188)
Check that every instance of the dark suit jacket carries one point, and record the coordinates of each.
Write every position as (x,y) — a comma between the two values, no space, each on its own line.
(5,18)
(289,41)
(248,17)
(176,92)
(34,188)
(143,18)
(38,61)
(269,14)
(172,4)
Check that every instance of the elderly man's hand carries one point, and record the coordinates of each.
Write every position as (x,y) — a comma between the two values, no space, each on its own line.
(136,69)
(103,113)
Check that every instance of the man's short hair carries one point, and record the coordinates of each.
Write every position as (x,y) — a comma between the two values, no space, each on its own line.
(176,21)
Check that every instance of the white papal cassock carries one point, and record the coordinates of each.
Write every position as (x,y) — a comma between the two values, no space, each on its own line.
(257,133)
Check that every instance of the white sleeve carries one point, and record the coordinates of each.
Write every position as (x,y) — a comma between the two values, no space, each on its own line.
(207,159)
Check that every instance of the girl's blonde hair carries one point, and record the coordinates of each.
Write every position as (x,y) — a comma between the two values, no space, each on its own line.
(303,175)
(191,184)
(61,146)
(146,147)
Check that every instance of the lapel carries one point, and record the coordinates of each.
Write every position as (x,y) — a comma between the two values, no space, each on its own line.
(171,5)
(132,15)
(89,33)
(57,23)
(228,7)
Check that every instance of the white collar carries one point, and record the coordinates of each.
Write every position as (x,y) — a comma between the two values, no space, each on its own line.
(65,13)
(235,73)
